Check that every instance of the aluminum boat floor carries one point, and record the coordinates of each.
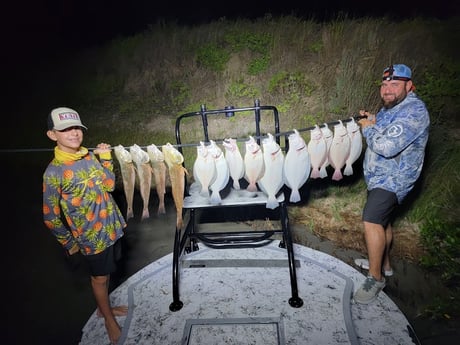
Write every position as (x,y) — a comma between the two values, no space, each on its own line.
(240,296)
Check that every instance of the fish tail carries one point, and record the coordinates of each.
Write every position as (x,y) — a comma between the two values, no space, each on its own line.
(295,196)
(323,172)
(315,173)
(215,198)
(161,208)
(272,203)
(129,213)
(252,187)
(348,170)
(236,184)
(337,175)
(145,214)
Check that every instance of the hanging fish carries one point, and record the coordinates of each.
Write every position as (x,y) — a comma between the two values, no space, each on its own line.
(204,169)
(128,175)
(157,161)
(222,173)
(339,151)
(327,135)
(253,164)
(296,167)
(235,161)
(144,172)
(354,132)
(317,149)
(174,160)
(272,181)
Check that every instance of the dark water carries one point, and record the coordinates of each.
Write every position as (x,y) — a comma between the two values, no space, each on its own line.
(48,301)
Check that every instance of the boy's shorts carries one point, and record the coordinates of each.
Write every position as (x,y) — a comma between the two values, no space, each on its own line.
(105,262)
(379,207)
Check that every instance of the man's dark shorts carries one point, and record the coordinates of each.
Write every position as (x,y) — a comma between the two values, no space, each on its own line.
(379,207)
(105,262)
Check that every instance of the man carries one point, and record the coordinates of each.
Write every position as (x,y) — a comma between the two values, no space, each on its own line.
(396,139)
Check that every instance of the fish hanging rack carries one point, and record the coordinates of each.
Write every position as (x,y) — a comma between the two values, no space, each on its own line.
(229,112)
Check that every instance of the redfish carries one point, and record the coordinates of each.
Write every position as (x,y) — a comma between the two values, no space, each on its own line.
(157,161)
(144,172)
(174,160)
(128,175)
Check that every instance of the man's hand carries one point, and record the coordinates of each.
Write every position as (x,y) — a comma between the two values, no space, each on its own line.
(369,121)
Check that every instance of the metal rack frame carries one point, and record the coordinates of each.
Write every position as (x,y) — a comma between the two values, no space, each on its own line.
(187,241)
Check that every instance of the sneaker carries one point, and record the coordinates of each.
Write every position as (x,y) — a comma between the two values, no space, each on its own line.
(364,264)
(368,292)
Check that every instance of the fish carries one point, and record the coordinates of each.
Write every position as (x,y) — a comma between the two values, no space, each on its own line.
(204,169)
(339,151)
(177,174)
(128,175)
(354,132)
(157,161)
(222,173)
(235,161)
(253,164)
(327,135)
(272,180)
(317,149)
(297,165)
(144,172)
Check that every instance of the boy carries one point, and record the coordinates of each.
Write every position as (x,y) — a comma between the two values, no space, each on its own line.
(79,209)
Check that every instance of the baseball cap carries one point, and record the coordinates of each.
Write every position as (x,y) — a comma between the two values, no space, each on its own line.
(397,72)
(62,118)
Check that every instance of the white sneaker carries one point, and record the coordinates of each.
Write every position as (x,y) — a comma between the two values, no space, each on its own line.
(364,264)
(368,292)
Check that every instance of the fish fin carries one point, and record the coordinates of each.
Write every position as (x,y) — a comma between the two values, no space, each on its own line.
(337,175)
(348,170)
(295,196)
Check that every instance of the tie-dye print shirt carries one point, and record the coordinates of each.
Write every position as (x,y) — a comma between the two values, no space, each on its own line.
(77,204)
(396,147)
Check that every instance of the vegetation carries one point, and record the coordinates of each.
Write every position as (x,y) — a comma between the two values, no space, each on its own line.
(132,90)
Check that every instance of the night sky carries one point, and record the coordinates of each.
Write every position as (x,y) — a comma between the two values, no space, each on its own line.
(32,26)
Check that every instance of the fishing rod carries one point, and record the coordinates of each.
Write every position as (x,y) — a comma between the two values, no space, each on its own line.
(219,141)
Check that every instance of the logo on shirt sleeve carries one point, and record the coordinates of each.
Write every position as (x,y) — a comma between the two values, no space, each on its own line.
(394,131)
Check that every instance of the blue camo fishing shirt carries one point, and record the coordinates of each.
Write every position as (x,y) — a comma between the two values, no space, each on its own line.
(396,146)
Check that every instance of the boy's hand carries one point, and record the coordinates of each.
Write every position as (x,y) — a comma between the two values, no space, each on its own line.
(102,148)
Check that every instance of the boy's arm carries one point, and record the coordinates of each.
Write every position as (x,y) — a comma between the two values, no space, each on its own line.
(52,212)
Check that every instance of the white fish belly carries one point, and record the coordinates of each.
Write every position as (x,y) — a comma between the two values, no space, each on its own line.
(272,181)
(317,149)
(222,177)
(338,154)
(296,170)
(204,172)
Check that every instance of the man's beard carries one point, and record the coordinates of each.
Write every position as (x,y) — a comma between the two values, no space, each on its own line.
(395,101)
